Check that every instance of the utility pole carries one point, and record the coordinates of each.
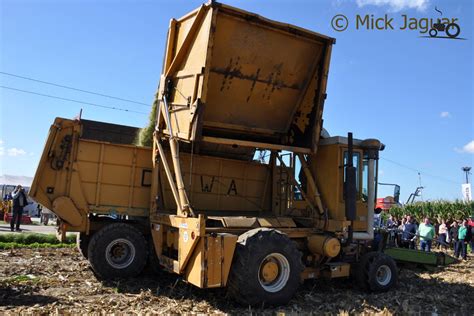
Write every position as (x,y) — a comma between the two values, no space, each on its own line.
(466,188)
(466,170)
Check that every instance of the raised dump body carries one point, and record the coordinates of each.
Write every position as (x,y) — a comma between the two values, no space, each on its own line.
(233,74)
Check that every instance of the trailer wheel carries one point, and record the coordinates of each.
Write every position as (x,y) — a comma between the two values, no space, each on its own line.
(82,243)
(376,272)
(361,271)
(383,274)
(118,250)
(266,268)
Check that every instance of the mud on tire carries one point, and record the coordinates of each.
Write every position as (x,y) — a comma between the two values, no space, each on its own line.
(118,251)
(266,268)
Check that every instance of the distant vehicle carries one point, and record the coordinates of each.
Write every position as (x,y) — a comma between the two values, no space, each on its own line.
(384,204)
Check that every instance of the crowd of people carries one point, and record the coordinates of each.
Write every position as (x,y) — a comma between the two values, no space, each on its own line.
(453,234)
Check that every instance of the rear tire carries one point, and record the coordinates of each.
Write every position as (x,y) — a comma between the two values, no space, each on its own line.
(118,251)
(266,268)
(82,243)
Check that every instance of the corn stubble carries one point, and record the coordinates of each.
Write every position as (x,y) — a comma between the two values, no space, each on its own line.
(60,281)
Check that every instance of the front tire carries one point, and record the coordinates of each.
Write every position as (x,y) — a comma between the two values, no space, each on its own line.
(266,268)
(118,251)
(376,272)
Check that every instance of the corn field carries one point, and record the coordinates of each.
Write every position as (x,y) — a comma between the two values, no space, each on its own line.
(435,210)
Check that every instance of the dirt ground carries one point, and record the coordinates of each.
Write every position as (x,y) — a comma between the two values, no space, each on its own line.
(60,281)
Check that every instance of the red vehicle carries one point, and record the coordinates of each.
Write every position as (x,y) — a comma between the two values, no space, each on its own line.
(385,203)
(471,221)
(25,219)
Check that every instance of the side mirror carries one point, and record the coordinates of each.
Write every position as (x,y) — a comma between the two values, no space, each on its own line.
(396,194)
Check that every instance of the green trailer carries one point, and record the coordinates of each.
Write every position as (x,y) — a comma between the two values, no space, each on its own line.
(404,255)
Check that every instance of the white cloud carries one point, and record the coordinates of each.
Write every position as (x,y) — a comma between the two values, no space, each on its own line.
(1,141)
(2,151)
(15,152)
(468,148)
(11,179)
(445,114)
(396,5)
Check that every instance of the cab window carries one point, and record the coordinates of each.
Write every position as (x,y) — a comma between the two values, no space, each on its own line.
(355,161)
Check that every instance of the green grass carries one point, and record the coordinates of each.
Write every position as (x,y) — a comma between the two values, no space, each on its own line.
(22,278)
(14,245)
(33,238)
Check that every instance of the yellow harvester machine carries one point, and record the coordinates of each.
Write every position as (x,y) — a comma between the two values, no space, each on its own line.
(243,188)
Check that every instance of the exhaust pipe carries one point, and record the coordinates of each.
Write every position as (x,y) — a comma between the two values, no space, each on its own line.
(350,187)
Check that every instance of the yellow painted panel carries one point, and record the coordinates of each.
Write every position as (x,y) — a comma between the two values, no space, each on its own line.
(220,184)
(141,197)
(119,155)
(326,168)
(119,175)
(196,56)
(88,171)
(88,152)
(89,190)
(114,195)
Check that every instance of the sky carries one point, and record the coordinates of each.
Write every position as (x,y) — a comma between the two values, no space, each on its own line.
(413,92)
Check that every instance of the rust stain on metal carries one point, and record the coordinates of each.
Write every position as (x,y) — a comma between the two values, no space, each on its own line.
(272,82)
(253,84)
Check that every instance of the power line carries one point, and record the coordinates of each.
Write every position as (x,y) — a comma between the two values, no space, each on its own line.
(72,88)
(401,165)
(420,171)
(72,100)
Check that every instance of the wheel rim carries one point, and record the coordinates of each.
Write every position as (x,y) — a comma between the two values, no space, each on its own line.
(383,275)
(120,253)
(274,272)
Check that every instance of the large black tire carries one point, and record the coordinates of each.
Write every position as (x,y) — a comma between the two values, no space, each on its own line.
(82,243)
(361,270)
(118,250)
(257,253)
(153,265)
(376,272)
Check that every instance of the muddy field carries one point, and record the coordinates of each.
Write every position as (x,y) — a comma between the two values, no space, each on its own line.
(60,281)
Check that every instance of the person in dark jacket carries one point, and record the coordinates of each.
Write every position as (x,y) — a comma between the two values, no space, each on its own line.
(453,233)
(19,202)
(409,233)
